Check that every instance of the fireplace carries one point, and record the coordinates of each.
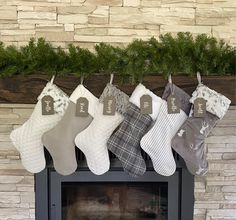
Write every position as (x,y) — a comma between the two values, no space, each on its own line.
(114,200)
(114,195)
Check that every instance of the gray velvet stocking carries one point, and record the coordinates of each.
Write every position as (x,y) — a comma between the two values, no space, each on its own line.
(189,140)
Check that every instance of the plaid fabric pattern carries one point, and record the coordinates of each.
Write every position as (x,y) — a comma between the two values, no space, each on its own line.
(125,142)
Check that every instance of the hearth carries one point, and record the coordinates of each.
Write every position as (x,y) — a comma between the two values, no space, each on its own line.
(114,195)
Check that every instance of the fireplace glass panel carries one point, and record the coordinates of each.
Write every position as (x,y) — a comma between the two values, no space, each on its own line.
(114,201)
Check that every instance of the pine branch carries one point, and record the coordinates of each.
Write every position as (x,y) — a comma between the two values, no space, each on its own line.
(175,55)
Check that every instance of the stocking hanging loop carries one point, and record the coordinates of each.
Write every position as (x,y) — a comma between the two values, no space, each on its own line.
(170,79)
(171,84)
(199,78)
(52,79)
(111,78)
(82,79)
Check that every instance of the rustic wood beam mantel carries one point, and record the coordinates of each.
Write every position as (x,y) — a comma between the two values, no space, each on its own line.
(25,89)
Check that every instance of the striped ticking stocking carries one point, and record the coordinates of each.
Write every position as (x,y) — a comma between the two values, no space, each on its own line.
(157,142)
(125,142)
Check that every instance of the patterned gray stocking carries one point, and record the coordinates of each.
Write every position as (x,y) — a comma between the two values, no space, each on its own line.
(189,140)
(125,142)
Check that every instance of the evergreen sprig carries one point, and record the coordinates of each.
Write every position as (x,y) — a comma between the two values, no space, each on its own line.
(81,62)
(182,54)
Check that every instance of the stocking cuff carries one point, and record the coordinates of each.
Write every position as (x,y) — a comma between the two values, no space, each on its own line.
(141,90)
(217,103)
(81,91)
(181,94)
(122,100)
(61,100)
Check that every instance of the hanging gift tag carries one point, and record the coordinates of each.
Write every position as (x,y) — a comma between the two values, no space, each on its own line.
(47,105)
(146,104)
(173,104)
(109,105)
(82,107)
(199,108)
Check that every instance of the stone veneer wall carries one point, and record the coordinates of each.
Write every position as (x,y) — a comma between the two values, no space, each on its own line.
(116,21)
(16,184)
(86,22)
(215,194)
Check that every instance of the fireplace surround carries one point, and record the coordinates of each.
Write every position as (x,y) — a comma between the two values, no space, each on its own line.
(114,195)
(214,194)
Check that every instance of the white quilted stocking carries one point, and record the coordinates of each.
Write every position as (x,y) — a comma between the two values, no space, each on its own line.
(93,140)
(27,138)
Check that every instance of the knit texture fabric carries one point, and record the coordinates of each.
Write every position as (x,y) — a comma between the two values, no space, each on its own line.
(59,141)
(27,138)
(157,142)
(93,140)
(189,140)
(125,142)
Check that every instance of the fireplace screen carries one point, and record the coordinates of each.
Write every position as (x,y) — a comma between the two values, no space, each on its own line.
(114,196)
(116,201)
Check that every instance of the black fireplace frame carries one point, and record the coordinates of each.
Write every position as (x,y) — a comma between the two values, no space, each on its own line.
(48,187)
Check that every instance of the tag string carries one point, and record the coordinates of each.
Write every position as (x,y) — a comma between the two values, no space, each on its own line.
(111,78)
(199,78)
(52,79)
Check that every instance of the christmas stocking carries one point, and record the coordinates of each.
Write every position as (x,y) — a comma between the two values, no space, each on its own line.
(93,140)
(27,138)
(189,140)
(125,142)
(157,142)
(59,141)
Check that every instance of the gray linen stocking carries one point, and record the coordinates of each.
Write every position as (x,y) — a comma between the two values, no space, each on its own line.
(59,141)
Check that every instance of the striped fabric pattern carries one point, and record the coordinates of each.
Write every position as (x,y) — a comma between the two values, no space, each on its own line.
(157,142)
(125,142)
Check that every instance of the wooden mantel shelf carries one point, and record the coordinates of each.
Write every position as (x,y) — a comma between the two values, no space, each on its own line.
(25,89)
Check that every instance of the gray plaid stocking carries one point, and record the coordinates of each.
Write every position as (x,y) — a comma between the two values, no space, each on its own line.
(125,142)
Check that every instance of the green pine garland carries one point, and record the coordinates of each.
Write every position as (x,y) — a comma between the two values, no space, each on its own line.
(182,54)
